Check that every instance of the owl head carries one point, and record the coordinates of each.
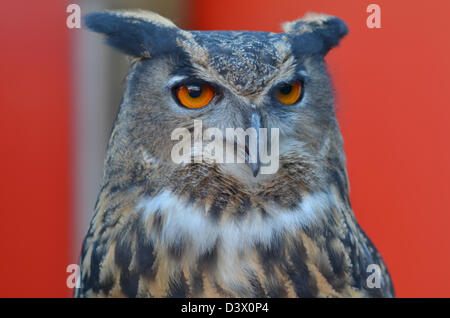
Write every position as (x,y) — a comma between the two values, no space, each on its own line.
(224,80)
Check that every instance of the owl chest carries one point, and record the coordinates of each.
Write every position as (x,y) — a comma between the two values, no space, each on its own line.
(246,256)
(236,262)
(222,260)
(171,248)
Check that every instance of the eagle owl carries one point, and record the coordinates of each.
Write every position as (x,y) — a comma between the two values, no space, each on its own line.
(206,228)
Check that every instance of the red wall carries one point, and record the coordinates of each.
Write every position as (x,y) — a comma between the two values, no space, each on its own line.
(393,87)
(34,160)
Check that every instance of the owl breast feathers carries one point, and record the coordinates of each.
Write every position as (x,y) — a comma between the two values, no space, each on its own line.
(202,227)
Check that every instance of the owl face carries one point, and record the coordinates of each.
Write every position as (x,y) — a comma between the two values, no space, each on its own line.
(226,80)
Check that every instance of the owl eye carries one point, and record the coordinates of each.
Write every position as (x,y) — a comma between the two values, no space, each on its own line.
(289,93)
(194,96)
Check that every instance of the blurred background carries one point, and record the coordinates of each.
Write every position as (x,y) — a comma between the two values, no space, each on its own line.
(60,88)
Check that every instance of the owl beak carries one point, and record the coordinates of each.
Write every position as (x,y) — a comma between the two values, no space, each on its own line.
(255,167)
(255,123)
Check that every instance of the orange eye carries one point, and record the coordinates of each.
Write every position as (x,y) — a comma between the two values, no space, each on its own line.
(289,93)
(195,96)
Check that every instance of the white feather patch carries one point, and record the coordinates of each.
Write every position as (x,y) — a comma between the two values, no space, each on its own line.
(191,224)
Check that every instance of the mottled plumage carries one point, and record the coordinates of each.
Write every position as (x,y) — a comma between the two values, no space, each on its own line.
(208,229)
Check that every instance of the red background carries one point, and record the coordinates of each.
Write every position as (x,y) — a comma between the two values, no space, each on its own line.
(393,104)
(34,144)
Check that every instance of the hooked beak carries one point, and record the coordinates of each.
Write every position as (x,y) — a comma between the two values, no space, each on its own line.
(255,165)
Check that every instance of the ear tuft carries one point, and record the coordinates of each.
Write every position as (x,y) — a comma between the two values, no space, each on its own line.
(325,30)
(138,33)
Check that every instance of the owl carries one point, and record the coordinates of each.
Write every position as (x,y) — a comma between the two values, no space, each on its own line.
(219,228)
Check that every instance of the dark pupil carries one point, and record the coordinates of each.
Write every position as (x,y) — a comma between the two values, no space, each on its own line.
(285,89)
(194,91)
